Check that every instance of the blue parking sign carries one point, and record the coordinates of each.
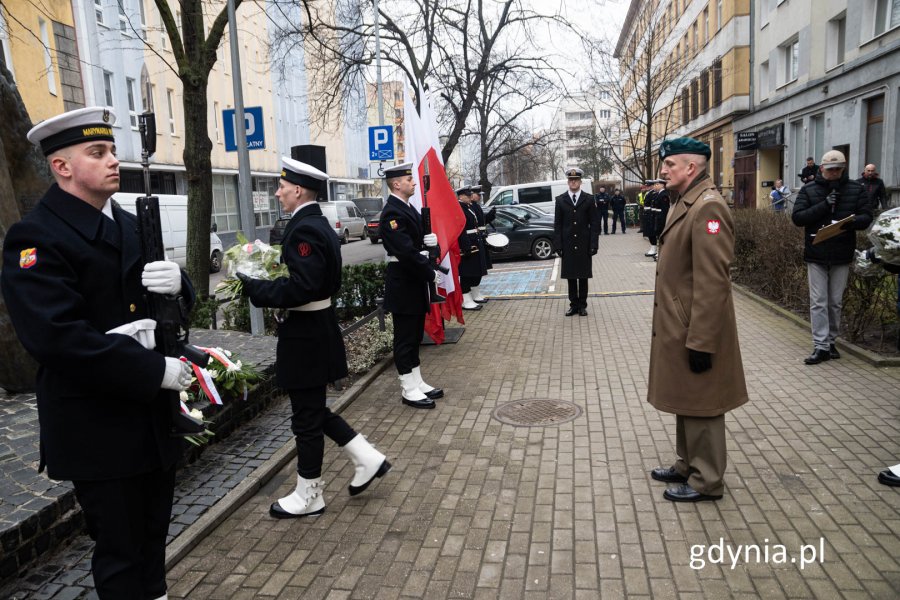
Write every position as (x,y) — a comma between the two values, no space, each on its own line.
(381,142)
(254,124)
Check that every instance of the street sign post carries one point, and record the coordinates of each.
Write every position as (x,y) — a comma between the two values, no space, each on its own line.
(381,142)
(254,124)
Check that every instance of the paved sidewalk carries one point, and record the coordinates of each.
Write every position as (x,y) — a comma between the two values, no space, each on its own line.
(475,508)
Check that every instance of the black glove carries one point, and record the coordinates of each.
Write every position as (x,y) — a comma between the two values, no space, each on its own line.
(849,225)
(593,251)
(831,199)
(245,279)
(699,361)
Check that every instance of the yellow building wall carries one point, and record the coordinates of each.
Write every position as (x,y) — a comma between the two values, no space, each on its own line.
(256,84)
(28,58)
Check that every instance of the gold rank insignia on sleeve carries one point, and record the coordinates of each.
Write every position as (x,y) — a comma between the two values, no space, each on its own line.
(393,224)
(28,258)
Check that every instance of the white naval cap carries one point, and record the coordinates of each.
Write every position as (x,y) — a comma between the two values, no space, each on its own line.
(74,127)
(398,170)
(302,174)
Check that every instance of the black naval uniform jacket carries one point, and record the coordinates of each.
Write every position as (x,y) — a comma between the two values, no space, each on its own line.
(575,231)
(406,279)
(660,212)
(483,220)
(70,275)
(310,351)
(472,249)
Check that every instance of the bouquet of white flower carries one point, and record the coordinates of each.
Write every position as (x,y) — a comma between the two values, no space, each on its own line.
(885,236)
(255,259)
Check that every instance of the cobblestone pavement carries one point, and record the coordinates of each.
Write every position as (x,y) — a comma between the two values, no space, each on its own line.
(479,509)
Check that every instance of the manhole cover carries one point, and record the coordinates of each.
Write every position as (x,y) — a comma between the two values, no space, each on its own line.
(536,412)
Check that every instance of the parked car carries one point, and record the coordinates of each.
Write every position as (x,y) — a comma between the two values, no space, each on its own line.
(173,220)
(346,219)
(540,194)
(368,205)
(526,212)
(277,232)
(372,228)
(526,238)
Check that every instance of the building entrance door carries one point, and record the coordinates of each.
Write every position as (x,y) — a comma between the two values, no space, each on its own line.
(745,181)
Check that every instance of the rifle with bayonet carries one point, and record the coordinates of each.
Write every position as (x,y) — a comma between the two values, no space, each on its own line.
(434,252)
(170,312)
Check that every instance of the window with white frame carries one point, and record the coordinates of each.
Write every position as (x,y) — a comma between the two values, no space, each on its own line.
(170,103)
(143,19)
(4,43)
(788,68)
(719,15)
(108,87)
(705,25)
(123,18)
(163,35)
(48,59)
(98,11)
(836,38)
(132,107)
(603,114)
(887,15)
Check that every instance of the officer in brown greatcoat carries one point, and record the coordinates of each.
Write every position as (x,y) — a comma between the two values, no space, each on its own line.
(696,371)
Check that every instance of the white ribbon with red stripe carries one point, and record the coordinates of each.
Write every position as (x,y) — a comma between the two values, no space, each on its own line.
(206,384)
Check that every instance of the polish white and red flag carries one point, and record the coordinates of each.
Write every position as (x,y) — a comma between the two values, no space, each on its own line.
(447,220)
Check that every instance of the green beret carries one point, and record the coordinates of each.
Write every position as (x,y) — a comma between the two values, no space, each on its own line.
(683,145)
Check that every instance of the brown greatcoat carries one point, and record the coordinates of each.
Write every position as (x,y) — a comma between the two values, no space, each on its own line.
(693,308)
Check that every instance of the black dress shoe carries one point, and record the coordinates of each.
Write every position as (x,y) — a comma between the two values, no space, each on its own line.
(476,307)
(817,356)
(582,312)
(482,301)
(685,493)
(427,403)
(572,311)
(668,475)
(833,353)
(279,513)
(887,477)
(435,393)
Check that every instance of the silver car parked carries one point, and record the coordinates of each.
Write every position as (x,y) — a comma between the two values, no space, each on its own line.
(346,219)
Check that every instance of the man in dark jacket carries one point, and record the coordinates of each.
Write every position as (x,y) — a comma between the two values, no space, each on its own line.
(874,187)
(810,171)
(617,203)
(575,232)
(76,291)
(602,201)
(472,250)
(830,198)
(310,352)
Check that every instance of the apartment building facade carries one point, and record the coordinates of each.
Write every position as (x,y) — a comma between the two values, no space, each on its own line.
(124,59)
(700,76)
(588,125)
(826,74)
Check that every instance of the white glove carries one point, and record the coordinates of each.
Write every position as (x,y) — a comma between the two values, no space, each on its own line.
(178,375)
(162,277)
(141,330)
(430,239)
(438,278)
(424,253)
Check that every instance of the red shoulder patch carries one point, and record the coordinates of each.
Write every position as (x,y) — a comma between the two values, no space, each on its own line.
(712,226)
(304,249)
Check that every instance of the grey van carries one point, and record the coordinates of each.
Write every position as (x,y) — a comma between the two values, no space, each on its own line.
(347,220)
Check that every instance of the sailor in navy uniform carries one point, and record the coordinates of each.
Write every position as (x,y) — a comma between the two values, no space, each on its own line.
(76,293)
(310,352)
(483,220)
(576,229)
(472,250)
(409,270)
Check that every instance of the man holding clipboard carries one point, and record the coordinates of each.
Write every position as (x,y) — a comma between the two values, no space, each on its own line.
(831,209)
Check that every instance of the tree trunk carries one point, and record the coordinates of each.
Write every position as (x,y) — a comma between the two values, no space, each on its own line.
(198,170)
(17,196)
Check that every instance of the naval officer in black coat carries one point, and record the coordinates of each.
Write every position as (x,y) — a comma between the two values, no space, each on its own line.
(576,228)
(472,249)
(483,218)
(76,290)
(310,352)
(406,295)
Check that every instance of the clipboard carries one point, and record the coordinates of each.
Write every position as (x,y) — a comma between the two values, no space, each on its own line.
(829,231)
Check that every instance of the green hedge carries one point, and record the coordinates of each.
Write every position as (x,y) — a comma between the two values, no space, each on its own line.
(769,261)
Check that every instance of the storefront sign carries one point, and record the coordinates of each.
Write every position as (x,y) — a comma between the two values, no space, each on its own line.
(746,140)
(771,136)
